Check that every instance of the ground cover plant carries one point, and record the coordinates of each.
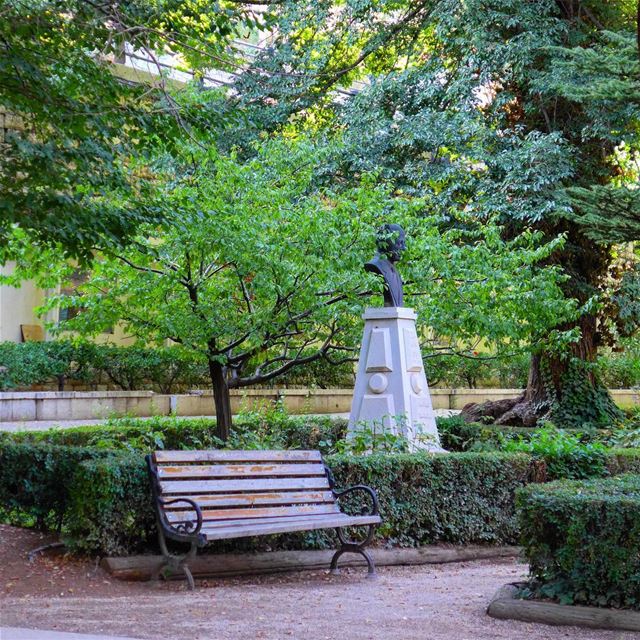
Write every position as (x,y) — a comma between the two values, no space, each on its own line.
(582,541)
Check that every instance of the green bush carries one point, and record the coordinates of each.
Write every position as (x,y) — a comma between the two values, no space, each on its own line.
(31,363)
(35,481)
(163,369)
(564,454)
(460,498)
(582,540)
(458,435)
(621,369)
(110,510)
(166,369)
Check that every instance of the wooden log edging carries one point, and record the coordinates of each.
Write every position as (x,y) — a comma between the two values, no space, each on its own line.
(221,565)
(506,605)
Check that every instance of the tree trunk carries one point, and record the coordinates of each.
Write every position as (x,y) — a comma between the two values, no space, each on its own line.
(563,389)
(221,399)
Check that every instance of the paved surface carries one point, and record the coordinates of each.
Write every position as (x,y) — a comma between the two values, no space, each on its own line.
(429,602)
(43,425)
(13,633)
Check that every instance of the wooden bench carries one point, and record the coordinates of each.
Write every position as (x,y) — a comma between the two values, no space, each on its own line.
(203,496)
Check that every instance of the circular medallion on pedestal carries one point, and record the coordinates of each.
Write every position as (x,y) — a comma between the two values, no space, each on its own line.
(416,383)
(378,382)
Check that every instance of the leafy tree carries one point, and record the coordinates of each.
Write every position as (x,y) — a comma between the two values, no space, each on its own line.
(527,111)
(260,269)
(72,167)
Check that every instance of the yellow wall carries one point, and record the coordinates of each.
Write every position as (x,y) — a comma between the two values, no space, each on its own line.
(17,306)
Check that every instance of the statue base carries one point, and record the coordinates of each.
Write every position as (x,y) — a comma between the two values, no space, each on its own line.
(391,392)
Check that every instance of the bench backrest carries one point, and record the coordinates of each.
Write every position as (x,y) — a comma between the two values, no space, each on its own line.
(233,485)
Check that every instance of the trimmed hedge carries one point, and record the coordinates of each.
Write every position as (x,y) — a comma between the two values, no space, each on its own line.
(465,498)
(582,540)
(35,481)
(91,481)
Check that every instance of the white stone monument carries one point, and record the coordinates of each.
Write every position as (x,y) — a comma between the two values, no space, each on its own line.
(391,392)
(391,389)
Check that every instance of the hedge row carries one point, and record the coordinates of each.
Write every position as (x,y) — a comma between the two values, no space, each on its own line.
(460,498)
(101,496)
(582,540)
(277,429)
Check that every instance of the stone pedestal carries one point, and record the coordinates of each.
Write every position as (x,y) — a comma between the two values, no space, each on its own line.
(391,391)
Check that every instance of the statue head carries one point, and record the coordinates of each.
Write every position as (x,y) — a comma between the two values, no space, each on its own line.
(391,241)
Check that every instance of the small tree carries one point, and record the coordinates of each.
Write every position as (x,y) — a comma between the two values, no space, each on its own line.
(253,273)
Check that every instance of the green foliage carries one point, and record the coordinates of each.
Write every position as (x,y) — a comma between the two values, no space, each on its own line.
(371,438)
(462,498)
(250,431)
(564,454)
(496,110)
(35,481)
(110,510)
(478,370)
(319,374)
(164,369)
(575,396)
(77,177)
(621,370)
(87,480)
(582,540)
(29,363)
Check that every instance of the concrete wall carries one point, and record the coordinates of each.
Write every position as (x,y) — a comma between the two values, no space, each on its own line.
(79,405)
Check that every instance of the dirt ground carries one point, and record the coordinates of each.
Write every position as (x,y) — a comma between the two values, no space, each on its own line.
(430,602)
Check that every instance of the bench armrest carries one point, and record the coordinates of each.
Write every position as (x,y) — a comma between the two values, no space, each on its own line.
(187,527)
(368,490)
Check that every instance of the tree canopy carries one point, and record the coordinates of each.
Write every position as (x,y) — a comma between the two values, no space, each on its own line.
(71,172)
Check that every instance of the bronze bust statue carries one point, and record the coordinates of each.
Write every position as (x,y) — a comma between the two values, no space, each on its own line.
(390,243)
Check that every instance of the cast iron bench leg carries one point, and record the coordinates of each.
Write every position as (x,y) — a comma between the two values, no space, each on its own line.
(354,547)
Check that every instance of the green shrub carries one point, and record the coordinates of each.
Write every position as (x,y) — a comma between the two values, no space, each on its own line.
(459,498)
(31,363)
(165,369)
(110,510)
(458,435)
(582,540)
(621,369)
(564,454)
(320,374)
(35,481)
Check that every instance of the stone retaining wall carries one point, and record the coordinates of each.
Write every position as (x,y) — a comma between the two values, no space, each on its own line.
(87,405)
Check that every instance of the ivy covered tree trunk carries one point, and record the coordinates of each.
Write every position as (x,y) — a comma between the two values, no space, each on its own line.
(221,399)
(563,388)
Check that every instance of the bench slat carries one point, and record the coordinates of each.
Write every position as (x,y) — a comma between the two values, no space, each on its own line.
(284,525)
(240,470)
(214,515)
(247,499)
(228,455)
(168,487)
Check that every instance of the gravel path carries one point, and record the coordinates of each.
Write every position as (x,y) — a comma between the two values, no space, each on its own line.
(434,602)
